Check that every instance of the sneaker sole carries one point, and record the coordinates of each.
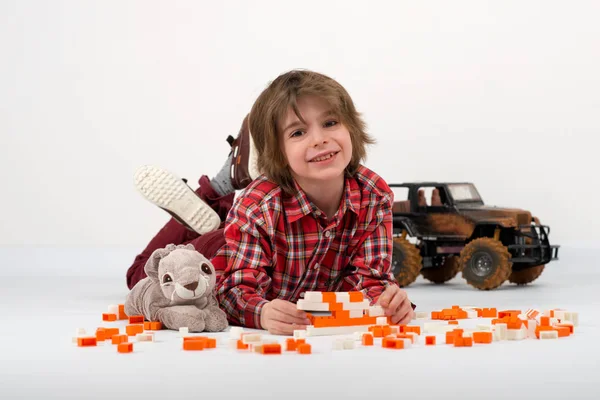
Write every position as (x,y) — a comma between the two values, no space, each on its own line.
(169,192)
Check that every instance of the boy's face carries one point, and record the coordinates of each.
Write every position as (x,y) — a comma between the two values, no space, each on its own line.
(319,151)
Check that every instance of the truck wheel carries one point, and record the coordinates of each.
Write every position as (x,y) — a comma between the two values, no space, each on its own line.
(442,274)
(406,261)
(485,263)
(526,275)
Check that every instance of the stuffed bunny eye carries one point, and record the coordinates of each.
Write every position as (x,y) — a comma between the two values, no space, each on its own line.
(167,278)
(206,269)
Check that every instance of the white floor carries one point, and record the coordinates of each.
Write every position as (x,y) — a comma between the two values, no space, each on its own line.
(48,293)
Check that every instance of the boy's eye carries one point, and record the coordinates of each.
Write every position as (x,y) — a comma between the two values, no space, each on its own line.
(296,134)
(331,123)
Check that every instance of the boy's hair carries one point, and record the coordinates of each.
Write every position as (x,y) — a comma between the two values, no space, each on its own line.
(271,107)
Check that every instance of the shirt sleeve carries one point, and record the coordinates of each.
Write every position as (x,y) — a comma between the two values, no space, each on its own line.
(244,283)
(372,272)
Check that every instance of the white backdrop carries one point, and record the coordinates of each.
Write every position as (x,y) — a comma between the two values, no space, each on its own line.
(503,94)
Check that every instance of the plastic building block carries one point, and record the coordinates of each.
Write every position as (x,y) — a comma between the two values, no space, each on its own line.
(194,343)
(136,319)
(413,328)
(452,322)
(126,347)
(566,325)
(430,340)
(117,339)
(86,341)
(367,339)
(248,338)
(482,337)
(235,332)
(500,331)
(304,348)
(422,315)
(109,317)
(313,297)
(184,331)
(467,341)
(271,348)
(392,343)
(100,335)
(299,334)
(145,337)
(110,332)
(376,311)
(335,330)
(381,321)
(489,313)
(121,313)
(290,344)
(545,321)
(516,334)
(241,345)
(133,330)
(549,334)
(349,344)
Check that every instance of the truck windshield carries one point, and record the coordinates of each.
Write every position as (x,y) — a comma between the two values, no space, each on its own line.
(464,192)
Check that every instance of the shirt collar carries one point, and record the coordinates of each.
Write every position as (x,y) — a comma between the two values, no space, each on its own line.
(299,205)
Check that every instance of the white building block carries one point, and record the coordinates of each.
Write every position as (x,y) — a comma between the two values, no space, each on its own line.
(145,337)
(472,314)
(342,297)
(338,344)
(394,329)
(414,337)
(235,332)
(376,311)
(548,334)
(336,330)
(531,327)
(572,317)
(232,343)
(299,334)
(349,344)
(357,305)
(500,331)
(381,321)
(422,315)
(483,327)
(248,338)
(516,334)
(305,305)
(184,331)
(313,297)
(357,313)
(113,309)
(560,314)
(437,327)
(80,332)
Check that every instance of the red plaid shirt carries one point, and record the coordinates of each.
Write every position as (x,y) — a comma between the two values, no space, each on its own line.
(279,246)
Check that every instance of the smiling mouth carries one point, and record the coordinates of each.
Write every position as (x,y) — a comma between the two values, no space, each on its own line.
(325,157)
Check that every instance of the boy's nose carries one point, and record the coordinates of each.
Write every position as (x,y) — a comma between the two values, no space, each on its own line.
(319,137)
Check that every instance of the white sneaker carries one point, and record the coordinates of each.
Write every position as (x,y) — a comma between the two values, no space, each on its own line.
(173,195)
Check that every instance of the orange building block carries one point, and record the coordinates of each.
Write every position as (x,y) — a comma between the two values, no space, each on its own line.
(122,314)
(377,331)
(116,339)
(540,328)
(136,319)
(271,348)
(435,315)
(126,347)
(87,341)
(133,330)
(544,321)
(414,328)
(304,348)
(458,341)
(508,313)
(386,330)
(100,335)
(109,317)
(482,337)
(392,343)
(110,332)
(563,331)
(241,345)
(147,325)
(489,313)
(570,326)
(367,340)
(195,343)
(290,344)
(468,341)
(452,322)
(429,340)
(356,297)
(152,325)
(449,337)
(329,297)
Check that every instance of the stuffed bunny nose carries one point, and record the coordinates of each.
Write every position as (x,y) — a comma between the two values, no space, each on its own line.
(191,286)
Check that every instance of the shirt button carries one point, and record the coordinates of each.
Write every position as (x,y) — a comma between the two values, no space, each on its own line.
(327,234)
(316,266)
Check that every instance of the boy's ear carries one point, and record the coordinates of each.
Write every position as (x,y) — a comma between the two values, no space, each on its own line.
(151,267)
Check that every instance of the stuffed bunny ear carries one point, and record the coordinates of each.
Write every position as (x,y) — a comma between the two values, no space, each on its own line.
(151,267)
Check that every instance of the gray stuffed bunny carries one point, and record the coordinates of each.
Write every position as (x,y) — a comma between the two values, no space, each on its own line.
(178,291)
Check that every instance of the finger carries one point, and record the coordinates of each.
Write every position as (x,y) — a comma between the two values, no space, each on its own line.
(396,302)
(405,317)
(291,309)
(281,328)
(385,297)
(278,315)
(399,313)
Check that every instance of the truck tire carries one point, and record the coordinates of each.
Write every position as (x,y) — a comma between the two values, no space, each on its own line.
(485,263)
(406,261)
(443,274)
(526,275)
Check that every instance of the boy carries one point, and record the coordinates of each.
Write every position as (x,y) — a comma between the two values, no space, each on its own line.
(315,220)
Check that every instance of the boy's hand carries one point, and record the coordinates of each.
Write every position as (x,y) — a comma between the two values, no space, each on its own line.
(395,303)
(281,317)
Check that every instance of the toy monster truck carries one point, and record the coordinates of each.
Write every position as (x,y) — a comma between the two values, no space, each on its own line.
(455,232)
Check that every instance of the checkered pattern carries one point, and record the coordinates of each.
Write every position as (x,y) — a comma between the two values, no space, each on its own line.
(280,246)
